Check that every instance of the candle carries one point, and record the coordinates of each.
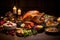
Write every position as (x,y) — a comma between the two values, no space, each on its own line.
(14,10)
(19,11)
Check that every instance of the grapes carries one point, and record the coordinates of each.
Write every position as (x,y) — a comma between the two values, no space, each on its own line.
(11,32)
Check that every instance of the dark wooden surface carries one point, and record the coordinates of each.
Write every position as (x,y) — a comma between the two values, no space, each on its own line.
(40,36)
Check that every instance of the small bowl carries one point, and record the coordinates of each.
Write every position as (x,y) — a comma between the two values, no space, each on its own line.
(52,31)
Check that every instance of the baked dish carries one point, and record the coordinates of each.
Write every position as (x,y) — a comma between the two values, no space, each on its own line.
(9,25)
(51,30)
(51,24)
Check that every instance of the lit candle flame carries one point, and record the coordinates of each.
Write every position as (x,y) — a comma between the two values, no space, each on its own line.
(19,11)
(14,9)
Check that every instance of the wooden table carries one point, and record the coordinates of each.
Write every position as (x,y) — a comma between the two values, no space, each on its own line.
(40,36)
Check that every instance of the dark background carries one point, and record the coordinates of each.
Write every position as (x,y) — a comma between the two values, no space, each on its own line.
(48,6)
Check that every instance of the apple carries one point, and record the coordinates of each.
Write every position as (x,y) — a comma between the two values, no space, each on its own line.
(37,27)
(27,26)
(22,25)
(2,22)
